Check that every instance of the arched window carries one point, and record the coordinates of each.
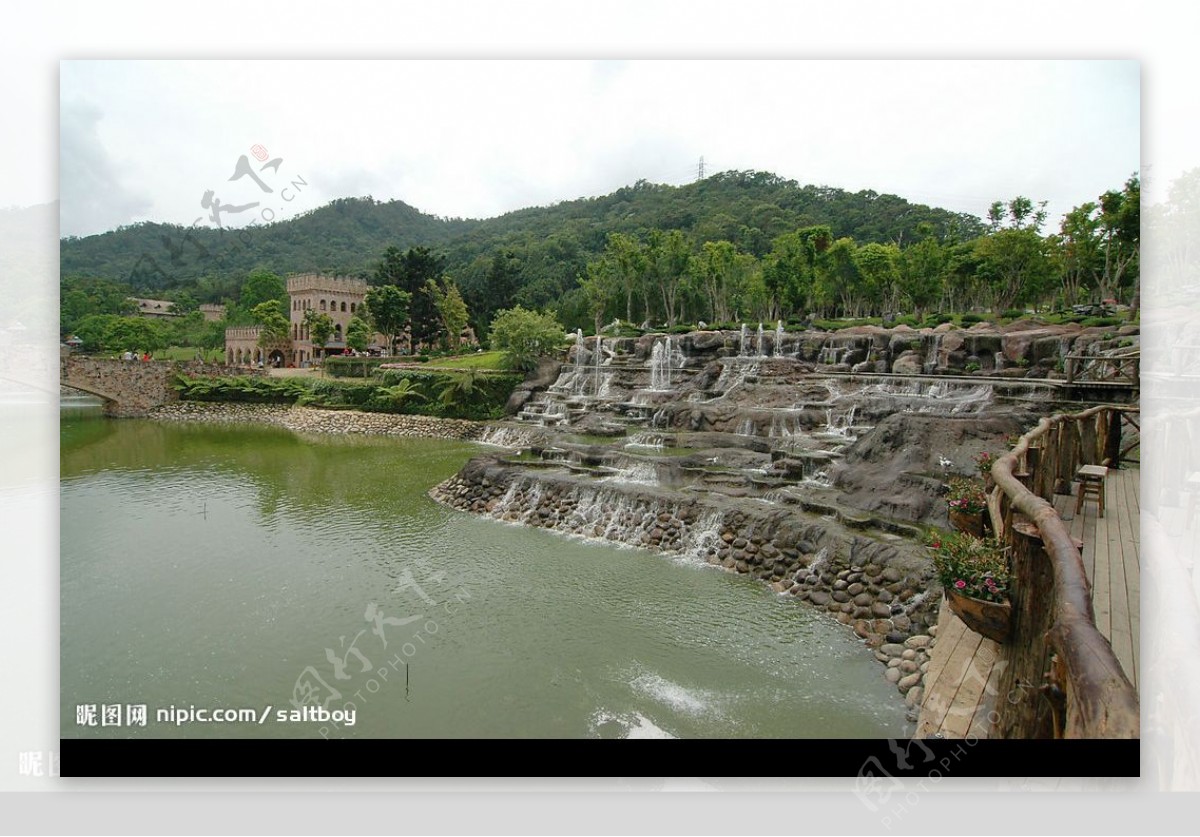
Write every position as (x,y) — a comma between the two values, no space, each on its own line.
(338,330)
(343,307)
(351,307)
(322,305)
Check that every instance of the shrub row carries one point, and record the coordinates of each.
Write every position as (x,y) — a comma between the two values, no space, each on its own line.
(446,395)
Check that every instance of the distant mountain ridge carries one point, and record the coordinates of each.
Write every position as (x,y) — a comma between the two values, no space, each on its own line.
(550,244)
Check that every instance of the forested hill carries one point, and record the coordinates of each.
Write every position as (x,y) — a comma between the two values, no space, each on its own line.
(548,246)
(345,236)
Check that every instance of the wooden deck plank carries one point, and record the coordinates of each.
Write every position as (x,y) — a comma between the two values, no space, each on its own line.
(1120,633)
(971,690)
(1101,580)
(1134,579)
(959,708)
(939,688)
(1125,605)
(957,680)
(981,725)
(964,668)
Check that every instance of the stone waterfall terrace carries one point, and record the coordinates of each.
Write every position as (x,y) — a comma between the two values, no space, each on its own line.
(811,461)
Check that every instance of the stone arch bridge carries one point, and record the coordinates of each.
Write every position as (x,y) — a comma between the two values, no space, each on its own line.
(133,387)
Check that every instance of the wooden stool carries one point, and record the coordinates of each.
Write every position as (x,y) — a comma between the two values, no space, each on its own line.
(1091,484)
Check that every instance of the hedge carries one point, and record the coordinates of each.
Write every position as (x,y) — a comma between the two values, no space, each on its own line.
(431,398)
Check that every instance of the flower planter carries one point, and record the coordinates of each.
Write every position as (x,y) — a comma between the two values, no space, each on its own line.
(991,619)
(973,523)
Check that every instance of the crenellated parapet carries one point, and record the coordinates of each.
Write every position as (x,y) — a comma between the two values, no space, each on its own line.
(319,282)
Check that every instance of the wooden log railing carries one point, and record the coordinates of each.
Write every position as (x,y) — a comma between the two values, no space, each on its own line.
(1062,679)
(1123,368)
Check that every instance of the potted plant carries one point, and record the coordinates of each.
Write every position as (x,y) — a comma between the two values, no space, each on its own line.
(974,575)
(966,505)
(984,462)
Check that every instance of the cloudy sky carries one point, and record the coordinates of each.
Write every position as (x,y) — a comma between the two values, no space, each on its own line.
(145,140)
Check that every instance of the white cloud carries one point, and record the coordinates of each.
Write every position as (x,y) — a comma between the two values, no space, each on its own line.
(478,138)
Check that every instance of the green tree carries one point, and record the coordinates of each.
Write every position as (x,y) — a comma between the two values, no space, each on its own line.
(876,267)
(1013,259)
(358,334)
(91,330)
(275,325)
(667,255)
(718,272)
(411,272)
(320,329)
(451,308)
(1078,250)
(628,262)
(525,336)
(263,286)
(387,308)
(836,279)
(81,297)
(921,270)
(599,286)
(789,270)
(1120,235)
(134,334)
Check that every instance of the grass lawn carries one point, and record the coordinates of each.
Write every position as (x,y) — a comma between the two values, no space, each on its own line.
(189,353)
(476,360)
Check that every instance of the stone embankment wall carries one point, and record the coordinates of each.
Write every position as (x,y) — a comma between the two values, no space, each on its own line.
(312,420)
(878,588)
(132,388)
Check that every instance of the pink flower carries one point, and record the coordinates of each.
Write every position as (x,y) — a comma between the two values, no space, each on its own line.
(960,584)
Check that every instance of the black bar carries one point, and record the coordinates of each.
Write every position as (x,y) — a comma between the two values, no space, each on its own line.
(348,758)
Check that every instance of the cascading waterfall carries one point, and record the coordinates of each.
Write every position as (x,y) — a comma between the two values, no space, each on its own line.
(840,425)
(785,427)
(640,473)
(599,358)
(778,349)
(931,354)
(703,538)
(758,345)
(660,366)
(743,344)
(646,440)
(579,378)
(506,437)
(819,561)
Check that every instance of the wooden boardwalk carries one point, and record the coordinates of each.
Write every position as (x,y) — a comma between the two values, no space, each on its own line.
(960,684)
(1110,556)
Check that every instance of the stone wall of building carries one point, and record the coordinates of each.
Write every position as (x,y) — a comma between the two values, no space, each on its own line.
(337,296)
(241,346)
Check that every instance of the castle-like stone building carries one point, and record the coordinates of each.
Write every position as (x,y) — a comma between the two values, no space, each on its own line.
(338,296)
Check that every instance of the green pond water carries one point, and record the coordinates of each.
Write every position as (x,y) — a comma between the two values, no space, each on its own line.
(236,567)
